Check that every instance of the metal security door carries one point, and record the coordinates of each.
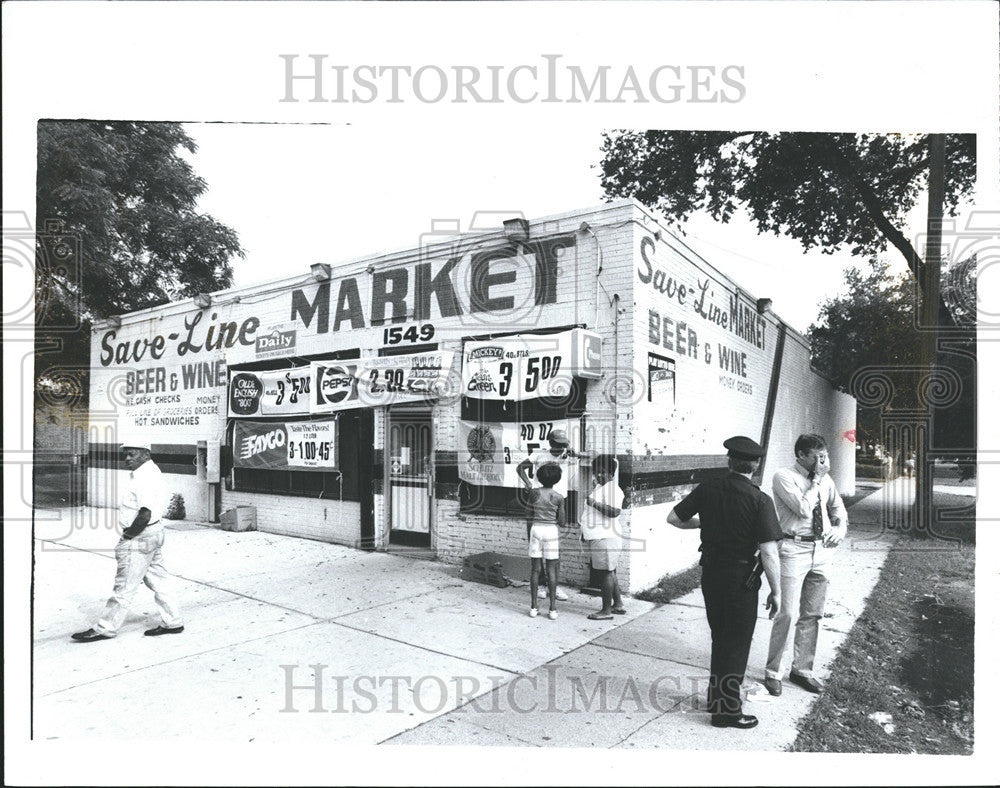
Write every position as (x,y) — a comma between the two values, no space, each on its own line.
(411,478)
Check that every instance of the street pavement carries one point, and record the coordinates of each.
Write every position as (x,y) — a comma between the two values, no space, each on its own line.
(293,640)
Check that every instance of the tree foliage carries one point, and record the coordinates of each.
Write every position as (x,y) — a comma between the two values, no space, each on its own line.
(118,230)
(123,189)
(832,191)
(871,325)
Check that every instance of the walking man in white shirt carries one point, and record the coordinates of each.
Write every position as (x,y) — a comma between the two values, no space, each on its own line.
(139,552)
(814,521)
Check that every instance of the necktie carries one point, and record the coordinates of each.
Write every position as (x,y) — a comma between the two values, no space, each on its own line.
(818,519)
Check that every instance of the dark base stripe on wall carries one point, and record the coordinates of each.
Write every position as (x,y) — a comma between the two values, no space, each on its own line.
(175,458)
(646,480)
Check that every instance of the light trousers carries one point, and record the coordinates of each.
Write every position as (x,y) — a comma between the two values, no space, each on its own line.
(804,581)
(140,560)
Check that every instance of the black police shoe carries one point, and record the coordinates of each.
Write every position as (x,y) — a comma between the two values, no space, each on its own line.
(741,721)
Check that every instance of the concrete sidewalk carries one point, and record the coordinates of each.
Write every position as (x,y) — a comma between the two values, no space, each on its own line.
(409,652)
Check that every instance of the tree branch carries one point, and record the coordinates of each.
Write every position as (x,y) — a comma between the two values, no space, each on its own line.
(873,206)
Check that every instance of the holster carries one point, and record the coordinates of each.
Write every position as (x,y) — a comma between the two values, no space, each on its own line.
(753,583)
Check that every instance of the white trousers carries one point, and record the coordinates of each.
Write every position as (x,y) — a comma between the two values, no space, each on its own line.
(140,560)
(804,581)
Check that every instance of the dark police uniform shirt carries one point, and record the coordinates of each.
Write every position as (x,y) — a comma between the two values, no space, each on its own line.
(735,517)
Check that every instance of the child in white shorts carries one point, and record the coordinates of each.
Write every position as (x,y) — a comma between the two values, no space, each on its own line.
(546,513)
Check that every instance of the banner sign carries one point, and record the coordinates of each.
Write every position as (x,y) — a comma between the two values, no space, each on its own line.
(283,392)
(489,452)
(530,365)
(301,445)
(383,380)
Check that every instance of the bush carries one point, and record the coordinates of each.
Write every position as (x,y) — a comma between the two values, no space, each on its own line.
(872,469)
(175,510)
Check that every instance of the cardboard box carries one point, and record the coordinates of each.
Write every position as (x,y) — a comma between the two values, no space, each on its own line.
(242,518)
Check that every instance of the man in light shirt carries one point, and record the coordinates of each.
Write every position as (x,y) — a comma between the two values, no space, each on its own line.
(813,519)
(139,552)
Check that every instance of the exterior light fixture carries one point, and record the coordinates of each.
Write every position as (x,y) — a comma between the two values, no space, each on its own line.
(320,271)
(763,306)
(203,300)
(516,230)
(115,321)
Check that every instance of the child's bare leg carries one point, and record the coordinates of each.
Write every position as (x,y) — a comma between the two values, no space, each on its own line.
(536,569)
(552,569)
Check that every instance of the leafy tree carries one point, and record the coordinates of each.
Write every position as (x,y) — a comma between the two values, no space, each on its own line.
(118,231)
(834,191)
(872,324)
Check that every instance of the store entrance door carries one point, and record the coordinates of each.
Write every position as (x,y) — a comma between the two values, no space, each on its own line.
(411,478)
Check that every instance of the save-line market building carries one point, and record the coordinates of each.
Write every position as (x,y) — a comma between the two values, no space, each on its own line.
(387,401)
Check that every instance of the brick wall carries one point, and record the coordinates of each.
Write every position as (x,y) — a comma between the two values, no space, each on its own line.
(324,520)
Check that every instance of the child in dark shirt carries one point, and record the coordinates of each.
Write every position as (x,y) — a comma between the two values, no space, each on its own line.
(546,513)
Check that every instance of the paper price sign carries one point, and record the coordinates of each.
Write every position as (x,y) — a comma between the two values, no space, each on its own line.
(518,368)
(308,445)
(489,452)
(406,378)
(282,392)
(312,445)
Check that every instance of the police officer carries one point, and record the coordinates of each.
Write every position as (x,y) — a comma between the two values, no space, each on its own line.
(735,519)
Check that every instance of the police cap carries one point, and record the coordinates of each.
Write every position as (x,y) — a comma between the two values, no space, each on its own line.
(743,448)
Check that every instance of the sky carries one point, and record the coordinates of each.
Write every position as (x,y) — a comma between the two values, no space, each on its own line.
(300,194)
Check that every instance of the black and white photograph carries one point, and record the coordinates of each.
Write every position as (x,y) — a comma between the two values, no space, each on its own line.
(375,388)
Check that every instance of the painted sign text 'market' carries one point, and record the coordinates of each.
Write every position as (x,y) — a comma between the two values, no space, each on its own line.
(470,282)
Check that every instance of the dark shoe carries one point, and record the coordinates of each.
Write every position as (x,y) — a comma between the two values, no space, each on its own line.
(743,721)
(164,631)
(773,686)
(89,636)
(808,683)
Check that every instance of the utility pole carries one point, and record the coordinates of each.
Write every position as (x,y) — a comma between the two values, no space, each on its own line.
(930,322)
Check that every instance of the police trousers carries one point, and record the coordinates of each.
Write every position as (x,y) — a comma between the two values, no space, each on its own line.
(732,616)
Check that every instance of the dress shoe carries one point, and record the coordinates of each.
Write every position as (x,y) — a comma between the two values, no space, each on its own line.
(773,686)
(742,721)
(89,636)
(808,683)
(163,631)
